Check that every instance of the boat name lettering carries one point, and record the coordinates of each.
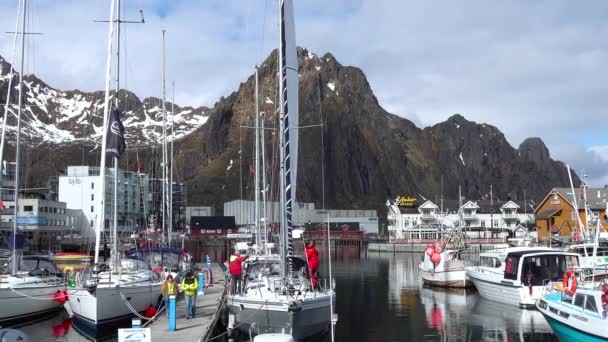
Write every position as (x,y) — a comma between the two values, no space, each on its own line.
(581,318)
(74,180)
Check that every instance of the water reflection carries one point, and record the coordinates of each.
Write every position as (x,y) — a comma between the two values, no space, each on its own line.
(380,298)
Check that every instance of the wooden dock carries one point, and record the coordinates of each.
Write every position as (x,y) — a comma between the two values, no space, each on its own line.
(193,329)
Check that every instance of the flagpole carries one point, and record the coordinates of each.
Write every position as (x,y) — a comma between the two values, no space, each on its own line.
(171,164)
(116,101)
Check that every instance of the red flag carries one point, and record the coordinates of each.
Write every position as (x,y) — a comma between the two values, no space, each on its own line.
(139,167)
(1,204)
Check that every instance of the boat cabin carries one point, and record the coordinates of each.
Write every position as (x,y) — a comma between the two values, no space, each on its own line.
(538,267)
(35,266)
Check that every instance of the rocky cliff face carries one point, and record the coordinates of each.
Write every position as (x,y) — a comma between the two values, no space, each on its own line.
(368,154)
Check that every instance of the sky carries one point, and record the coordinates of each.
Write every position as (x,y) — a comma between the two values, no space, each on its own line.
(530,68)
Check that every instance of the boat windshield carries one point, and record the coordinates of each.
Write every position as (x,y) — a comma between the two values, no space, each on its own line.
(538,270)
(158,259)
(133,264)
(34,265)
(267,268)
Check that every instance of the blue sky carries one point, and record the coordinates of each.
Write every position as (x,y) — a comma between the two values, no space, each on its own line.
(531,68)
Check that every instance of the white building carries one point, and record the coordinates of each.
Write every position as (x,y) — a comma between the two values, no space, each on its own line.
(43,221)
(79,189)
(304,215)
(481,219)
(198,211)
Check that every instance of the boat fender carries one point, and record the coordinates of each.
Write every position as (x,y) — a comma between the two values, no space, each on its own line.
(569,282)
(605,299)
(436,258)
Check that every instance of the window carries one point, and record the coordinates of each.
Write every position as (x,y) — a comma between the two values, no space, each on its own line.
(483,223)
(574,216)
(28,208)
(590,304)
(579,300)
(92,209)
(92,197)
(511,267)
(495,223)
(91,223)
(92,185)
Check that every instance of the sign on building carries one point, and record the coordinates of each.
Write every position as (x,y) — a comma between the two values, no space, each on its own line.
(405,201)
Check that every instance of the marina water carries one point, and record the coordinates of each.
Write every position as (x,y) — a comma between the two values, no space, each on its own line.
(381,299)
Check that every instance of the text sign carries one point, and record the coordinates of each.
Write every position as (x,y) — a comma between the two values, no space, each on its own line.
(135,335)
(405,201)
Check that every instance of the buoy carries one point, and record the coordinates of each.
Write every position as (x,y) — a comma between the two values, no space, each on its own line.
(436,258)
(438,250)
(429,250)
(273,338)
(437,245)
(569,281)
(150,311)
(60,297)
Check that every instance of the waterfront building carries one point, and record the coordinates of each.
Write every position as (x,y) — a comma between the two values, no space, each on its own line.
(556,214)
(154,197)
(79,190)
(198,211)
(43,222)
(416,218)
(307,216)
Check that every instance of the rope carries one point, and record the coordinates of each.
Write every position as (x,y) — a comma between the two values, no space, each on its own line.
(30,297)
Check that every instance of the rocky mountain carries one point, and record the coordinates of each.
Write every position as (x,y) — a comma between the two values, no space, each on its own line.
(55,116)
(368,155)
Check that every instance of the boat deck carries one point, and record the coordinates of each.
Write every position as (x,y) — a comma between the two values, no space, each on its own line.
(194,329)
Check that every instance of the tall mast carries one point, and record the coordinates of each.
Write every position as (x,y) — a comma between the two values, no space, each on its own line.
(17,147)
(164,181)
(288,62)
(104,138)
(283,207)
(116,103)
(263,169)
(257,163)
(8,99)
(171,164)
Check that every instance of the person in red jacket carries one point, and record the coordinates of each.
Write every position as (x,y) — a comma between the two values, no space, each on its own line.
(312,255)
(236,270)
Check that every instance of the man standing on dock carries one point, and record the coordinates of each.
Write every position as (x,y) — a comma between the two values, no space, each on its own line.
(236,270)
(190,286)
(312,255)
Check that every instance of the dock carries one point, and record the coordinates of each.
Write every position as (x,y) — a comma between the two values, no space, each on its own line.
(200,327)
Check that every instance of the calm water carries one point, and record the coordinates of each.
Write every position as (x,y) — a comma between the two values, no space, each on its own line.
(380,298)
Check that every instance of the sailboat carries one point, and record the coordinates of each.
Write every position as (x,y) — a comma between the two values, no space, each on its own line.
(123,287)
(278,296)
(30,285)
(442,264)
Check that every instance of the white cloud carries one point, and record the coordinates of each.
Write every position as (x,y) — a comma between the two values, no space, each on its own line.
(600,152)
(529,68)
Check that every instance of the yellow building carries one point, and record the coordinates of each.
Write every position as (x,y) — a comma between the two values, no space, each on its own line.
(556,212)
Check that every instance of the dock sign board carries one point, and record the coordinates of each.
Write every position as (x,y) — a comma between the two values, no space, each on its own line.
(135,335)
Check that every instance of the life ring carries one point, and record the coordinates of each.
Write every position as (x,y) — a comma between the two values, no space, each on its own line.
(569,282)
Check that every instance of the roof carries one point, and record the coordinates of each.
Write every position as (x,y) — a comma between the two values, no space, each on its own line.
(545,214)
(536,250)
(596,197)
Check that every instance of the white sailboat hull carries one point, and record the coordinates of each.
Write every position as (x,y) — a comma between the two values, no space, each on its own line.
(447,273)
(266,316)
(106,304)
(22,301)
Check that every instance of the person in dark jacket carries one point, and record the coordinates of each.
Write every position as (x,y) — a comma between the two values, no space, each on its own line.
(236,270)
(312,255)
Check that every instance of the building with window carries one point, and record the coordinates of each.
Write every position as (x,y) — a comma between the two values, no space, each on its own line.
(306,215)
(42,222)
(79,189)
(417,218)
(556,215)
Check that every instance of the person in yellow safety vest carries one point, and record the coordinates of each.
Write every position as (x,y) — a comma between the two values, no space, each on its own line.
(190,286)
(167,289)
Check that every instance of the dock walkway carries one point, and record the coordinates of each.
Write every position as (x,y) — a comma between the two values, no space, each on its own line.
(193,329)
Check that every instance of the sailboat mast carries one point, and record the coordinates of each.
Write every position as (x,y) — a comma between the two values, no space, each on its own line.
(17,147)
(104,138)
(164,181)
(263,170)
(283,207)
(171,163)
(116,103)
(257,162)
(8,95)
